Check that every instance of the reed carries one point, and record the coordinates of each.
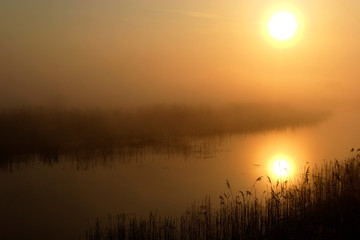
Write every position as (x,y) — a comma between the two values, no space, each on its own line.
(323,204)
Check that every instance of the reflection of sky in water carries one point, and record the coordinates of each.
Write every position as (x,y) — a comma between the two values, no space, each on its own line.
(38,193)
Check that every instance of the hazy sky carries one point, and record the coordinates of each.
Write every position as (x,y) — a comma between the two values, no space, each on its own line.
(110,53)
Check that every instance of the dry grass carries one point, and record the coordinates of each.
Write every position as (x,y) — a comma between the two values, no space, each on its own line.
(323,204)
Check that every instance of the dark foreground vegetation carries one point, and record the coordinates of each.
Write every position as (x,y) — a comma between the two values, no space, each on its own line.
(323,204)
(50,133)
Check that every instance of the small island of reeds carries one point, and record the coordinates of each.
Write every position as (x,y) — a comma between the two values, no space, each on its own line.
(48,134)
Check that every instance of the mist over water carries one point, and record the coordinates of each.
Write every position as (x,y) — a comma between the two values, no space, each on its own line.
(50,134)
(136,106)
(151,177)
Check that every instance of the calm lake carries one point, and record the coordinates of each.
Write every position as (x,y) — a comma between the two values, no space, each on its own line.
(57,200)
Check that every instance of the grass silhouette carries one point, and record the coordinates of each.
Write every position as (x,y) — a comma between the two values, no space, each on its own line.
(323,204)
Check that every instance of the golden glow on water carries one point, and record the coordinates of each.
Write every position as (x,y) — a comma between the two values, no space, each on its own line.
(281,168)
(293,147)
(282,25)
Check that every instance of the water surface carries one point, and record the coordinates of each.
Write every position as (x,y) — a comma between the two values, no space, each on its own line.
(56,200)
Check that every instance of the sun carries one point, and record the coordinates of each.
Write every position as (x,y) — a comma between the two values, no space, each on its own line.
(282,25)
(281,168)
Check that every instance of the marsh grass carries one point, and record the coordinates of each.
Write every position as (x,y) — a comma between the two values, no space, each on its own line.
(323,204)
(49,134)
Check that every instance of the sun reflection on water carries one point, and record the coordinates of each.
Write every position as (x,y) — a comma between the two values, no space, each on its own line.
(281,166)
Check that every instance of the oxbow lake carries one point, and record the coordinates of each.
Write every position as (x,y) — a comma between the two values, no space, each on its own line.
(57,200)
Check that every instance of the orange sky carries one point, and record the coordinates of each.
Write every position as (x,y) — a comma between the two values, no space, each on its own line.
(119,53)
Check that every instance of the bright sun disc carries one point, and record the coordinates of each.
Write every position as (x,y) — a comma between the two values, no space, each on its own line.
(281,168)
(282,25)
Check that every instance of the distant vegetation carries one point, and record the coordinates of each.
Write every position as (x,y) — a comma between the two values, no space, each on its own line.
(323,204)
(50,133)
